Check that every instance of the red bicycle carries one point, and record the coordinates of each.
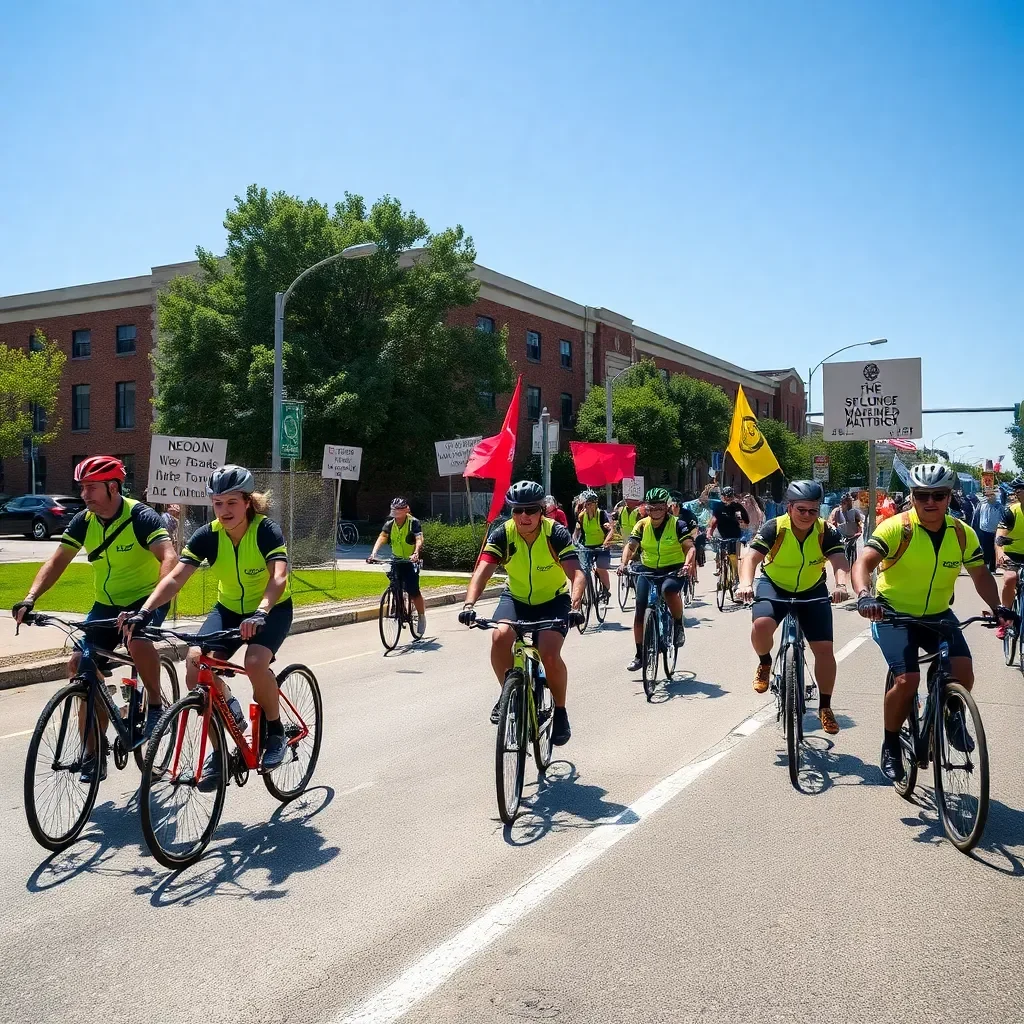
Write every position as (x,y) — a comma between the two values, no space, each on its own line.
(181,808)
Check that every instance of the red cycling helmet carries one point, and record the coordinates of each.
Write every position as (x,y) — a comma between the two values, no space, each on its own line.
(99,467)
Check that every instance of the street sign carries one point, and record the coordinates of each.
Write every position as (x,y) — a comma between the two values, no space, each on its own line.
(341,462)
(988,481)
(180,467)
(27,449)
(716,460)
(552,438)
(452,456)
(872,399)
(289,444)
(821,468)
(633,488)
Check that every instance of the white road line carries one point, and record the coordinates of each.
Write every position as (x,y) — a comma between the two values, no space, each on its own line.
(847,649)
(334,661)
(434,969)
(355,789)
(11,735)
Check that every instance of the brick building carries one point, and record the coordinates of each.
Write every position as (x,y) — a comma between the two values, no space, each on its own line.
(562,349)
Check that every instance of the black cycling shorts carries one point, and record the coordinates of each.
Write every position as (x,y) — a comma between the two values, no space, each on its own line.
(108,637)
(668,580)
(815,619)
(409,577)
(271,636)
(510,609)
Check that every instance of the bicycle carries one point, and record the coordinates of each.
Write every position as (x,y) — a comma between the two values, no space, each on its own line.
(700,542)
(173,797)
(396,607)
(348,535)
(593,596)
(687,591)
(626,586)
(850,549)
(727,579)
(925,737)
(1013,647)
(659,635)
(525,714)
(68,734)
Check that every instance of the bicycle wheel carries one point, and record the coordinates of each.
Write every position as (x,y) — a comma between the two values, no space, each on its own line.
(669,651)
(600,608)
(510,747)
(57,805)
(168,695)
(179,819)
(908,746)
(545,707)
(794,715)
(1010,645)
(389,620)
(649,664)
(625,583)
(348,535)
(961,777)
(300,704)
(585,609)
(720,590)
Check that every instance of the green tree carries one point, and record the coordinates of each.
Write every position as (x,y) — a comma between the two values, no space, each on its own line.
(368,345)
(27,380)
(704,413)
(846,459)
(1017,445)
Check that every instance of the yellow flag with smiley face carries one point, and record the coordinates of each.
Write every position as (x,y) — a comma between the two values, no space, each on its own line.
(747,445)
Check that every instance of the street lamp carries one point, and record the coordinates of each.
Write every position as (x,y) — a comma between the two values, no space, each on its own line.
(608,385)
(948,433)
(962,448)
(352,252)
(810,373)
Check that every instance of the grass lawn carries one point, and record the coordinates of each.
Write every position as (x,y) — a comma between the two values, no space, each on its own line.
(74,591)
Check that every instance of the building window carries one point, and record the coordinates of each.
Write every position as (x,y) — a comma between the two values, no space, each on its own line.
(129,472)
(566,411)
(757,407)
(75,460)
(565,354)
(34,343)
(125,339)
(124,418)
(533,403)
(533,346)
(38,419)
(663,374)
(768,407)
(80,407)
(81,344)
(487,399)
(485,324)
(40,473)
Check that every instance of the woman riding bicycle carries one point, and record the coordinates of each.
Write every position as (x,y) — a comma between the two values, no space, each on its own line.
(402,531)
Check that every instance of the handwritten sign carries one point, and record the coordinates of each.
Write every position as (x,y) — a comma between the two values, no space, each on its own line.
(453,455)
(341,462)
(181,467)
(876,399)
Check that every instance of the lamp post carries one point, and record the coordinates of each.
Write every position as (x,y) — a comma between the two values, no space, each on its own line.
(352,252)
(962,448)
(810,373)
(948,433)
(608,385)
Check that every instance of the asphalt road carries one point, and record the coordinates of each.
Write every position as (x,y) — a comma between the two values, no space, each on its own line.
(665,870)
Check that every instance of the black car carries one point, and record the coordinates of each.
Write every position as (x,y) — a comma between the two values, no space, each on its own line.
(39,515)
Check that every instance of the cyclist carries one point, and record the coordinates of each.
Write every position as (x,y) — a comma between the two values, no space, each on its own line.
(701,510)
(405,535)
(1010,546)
(729,518)
(541,562)
(665,544)
(918,555)
(792,550)
(594,530)
(130,551)
(629,513)
(849,521)
(247,555)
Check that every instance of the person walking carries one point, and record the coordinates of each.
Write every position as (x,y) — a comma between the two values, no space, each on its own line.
(986,521)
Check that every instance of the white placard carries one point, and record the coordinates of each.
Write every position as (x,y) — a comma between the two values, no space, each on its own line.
(872,399)
(452,456)
(821,468)
(552,438)
(180,467)
(633,488)
(341,462)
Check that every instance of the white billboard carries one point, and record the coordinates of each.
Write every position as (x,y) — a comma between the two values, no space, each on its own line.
(341,462)
(453,455)
(873,399)
(180,467)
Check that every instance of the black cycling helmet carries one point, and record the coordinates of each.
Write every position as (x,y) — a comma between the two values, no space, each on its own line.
(656,495)
(727,492)
(1017,484)
(805,490)
(230,478)
(525,492)
(399,503)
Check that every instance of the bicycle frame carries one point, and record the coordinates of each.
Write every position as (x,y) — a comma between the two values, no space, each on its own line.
(792,640)
(656,600)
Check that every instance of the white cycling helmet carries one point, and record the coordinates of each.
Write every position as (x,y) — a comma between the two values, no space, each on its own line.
(932,474)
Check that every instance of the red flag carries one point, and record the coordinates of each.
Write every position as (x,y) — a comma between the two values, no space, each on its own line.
(493,456)
(598,464)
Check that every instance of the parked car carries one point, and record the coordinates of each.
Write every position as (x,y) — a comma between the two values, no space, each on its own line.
(39,515)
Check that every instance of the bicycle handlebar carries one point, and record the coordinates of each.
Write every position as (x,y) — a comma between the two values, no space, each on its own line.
(519,626)
(203,640)
(939,625)
(48,619)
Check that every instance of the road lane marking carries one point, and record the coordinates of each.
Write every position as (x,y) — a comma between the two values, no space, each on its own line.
(847,649)
(11,735)
(355,789)
(334,661)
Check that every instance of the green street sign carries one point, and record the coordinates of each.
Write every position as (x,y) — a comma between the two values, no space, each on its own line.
(289,444)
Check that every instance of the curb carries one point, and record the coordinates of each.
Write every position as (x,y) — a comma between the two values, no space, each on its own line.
(52,669)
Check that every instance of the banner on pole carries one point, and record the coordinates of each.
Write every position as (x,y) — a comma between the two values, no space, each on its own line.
(453,455)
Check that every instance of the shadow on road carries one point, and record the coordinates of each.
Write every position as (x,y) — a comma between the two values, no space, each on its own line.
(822,766)
(428,643)
(559,802)
(685,684)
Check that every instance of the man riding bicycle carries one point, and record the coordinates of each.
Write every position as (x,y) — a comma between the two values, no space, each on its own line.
(918,555)
(540,561)
(849,521)
(130,552)
(594,530)
(792,550)
(665,544)
(405,536)
(247,555)
(1010,546)
(729,518)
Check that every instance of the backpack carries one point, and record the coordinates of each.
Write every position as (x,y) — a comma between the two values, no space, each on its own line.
(907,534)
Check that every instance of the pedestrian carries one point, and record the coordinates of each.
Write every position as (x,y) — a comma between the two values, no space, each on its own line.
(986,521)
(554,511)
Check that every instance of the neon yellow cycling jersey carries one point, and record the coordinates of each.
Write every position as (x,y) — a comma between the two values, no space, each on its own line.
(592,528)
(535,573)
(661,549)
(1012,528)
(791,564)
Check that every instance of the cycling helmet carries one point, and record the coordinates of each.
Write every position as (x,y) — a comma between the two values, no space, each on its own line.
(99,467)
(525,492)
(727,492)
(932,474)
(397,503)
(1016,484)
(589,496)
(804,490)
(656,495)
(231,478)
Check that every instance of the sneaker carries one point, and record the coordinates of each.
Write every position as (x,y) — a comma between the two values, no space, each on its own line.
(89,768)
(762,678)
(421,627)
(275,752)
(956,730)
(828,721)
(211,774)
(634,665)
(236,711)
(153,716)
(680,634)
(560,731)
(606,596)
(494,712)
(892,764)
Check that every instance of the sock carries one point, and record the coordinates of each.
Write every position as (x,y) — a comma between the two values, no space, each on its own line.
(275,728)
(892,740)
(679,621)
(639,650)
(765,659)
(824,700)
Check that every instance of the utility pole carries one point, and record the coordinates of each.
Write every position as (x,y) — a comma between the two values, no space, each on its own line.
(545,458)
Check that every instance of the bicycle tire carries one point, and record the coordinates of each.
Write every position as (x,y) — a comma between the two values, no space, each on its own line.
(649,657)
(670,654)
(720,591)
(169,694)
(152,773)
(389,620)
(544,704)
(60,702)
(585,609)
(625,584)
(287,782)
(600,608)
(794,716)
(908,746)
(510,747)
(1010,645)
(965,832)
(348,536)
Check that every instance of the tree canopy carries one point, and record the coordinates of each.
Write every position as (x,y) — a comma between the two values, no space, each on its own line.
(28,380)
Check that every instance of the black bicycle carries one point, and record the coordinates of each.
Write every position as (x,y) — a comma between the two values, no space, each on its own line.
(594,599)
(68,737)
(1013,648)
(659,630)
(348,535)
(951,735)
(700,542)
(396,607)
(687,590)
(525,714)
(626,587)
(727,581)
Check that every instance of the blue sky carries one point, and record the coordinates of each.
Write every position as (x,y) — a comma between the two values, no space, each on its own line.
(767,182)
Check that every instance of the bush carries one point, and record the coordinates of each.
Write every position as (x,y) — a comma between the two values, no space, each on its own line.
(451,546)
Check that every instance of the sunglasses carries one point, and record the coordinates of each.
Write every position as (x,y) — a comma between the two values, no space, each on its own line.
(805,511)
(657,506)
(526,510)
(925,496)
